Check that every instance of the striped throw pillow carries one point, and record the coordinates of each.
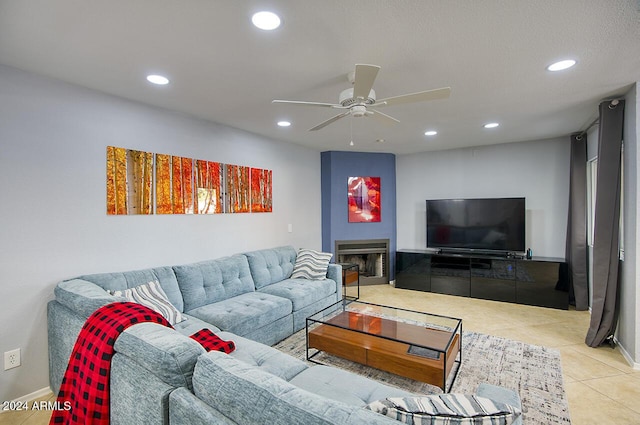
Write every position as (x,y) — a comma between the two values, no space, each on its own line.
(446,409)
(153,296)
(311,264)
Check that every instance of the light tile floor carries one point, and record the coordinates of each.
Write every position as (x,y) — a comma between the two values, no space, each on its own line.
(601,387)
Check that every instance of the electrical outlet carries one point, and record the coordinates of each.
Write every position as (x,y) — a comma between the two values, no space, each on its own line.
(11,359)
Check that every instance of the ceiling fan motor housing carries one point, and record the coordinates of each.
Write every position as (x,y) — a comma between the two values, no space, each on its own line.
(346,98)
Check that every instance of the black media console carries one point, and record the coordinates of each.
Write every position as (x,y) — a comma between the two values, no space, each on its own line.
(539,281)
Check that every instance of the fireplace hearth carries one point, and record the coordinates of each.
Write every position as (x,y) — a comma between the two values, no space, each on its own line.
(371,256)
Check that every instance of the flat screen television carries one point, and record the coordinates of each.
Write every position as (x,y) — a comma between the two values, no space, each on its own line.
(487,224)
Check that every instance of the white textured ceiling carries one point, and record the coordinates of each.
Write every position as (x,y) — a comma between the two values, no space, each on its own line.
(492,53)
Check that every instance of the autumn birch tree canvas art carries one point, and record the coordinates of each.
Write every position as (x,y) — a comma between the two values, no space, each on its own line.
(174,185)
(209,179)
(261,187)
(183,185)
(129,181)
(238,193)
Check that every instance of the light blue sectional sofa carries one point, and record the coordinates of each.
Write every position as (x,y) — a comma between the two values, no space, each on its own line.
(160,375)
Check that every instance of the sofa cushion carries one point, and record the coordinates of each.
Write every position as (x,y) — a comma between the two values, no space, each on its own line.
(447,409)
(244,313)
(301,292)
(151,295)
(207,282)
(123,280)
(311,264)
(271,265)
(248,395)
(264,357)
(274,332)
(344,386)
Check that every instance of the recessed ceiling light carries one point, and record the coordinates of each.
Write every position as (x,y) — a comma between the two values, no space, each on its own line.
(284,123)
(430,133)
(158,79)
(562,65)
(266,20)
(491,125)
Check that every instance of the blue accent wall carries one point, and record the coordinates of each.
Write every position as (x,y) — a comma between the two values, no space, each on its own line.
(336,168)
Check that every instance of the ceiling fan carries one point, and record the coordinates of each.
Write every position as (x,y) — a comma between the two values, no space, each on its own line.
(360,100)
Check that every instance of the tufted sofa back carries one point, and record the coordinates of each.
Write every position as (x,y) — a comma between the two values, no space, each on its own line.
(214,280)
(271,265)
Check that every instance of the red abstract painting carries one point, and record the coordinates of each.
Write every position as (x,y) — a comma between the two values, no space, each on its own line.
(364,199)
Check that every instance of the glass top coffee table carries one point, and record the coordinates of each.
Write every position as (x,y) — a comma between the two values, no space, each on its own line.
(420,346)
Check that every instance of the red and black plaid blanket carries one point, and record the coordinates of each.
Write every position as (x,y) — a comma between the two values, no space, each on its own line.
(85,386)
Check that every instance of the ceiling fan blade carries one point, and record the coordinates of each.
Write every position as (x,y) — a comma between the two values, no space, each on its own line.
(302,102)
(365,76)
(329,121)
(422,96)
(384,118)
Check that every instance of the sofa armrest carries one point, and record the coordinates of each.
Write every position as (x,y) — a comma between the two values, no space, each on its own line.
(334,272)
(161,350)
(83,297)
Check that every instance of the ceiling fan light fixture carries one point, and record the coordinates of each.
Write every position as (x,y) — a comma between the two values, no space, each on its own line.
(284,123)
(355,101)
(159,80)
(430,133)
(491,125)
(561,65)
(266,20)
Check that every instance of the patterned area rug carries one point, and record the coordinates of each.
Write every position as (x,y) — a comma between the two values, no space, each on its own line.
(533,371)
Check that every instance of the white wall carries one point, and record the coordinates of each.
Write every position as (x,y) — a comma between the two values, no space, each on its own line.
(537,170)
(53,221)
(627,333)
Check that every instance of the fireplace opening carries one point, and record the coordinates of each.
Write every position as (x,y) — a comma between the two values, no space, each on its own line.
(371,256)
(368,264)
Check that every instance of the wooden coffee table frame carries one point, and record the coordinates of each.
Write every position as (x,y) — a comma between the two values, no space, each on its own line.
(335,336)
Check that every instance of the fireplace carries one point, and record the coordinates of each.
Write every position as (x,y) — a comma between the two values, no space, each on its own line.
(371,256)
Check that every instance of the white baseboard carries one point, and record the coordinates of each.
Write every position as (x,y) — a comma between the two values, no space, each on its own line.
(34,395)
(42,392)
(626,355)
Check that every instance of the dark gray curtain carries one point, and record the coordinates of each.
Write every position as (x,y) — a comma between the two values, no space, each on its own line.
(604,308)
(577,255)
